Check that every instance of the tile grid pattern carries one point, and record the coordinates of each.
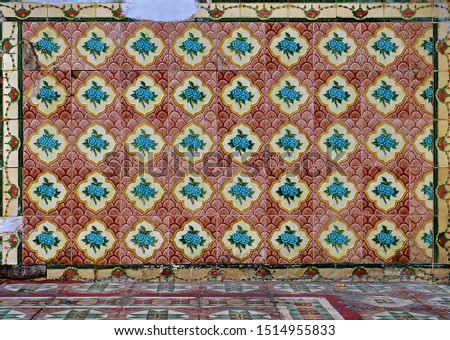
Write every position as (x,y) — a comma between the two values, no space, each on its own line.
(256,229)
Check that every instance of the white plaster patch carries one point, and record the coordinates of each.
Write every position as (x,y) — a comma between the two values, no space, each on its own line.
(155,10)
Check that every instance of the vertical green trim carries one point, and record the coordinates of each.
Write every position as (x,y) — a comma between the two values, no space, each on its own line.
(1,128)
(20,83)
(435,137)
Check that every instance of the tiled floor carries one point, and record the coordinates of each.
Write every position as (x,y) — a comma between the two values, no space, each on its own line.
(224,300)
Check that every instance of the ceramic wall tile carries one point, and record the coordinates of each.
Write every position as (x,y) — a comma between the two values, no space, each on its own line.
(270,134)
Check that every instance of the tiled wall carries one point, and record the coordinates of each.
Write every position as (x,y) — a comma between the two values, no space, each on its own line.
(277,142)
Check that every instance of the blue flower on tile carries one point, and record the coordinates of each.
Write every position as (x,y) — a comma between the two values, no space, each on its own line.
(385,190)
(144,143)
(47,94)
(337,142)
(428,45)
(192,239)
(46,239)
(428,94)
(385,238)
(241,191)
(46,191)
(288,239)
(385,142)
(47,142)
(47,46)
(95,46)
(336,45)
(291,239)
(384,45)
(192,94)
(95,239)
(288,94)
(144,191)
(143,239)
(95,95)
(95,191)
(240,94)
(337,191)
(192,190)
(192,46)
(192,142)
(337,94)
(143,94)
(428,239)
(337,239)
(240,45)
(289,191)
(288,46)
(96,143)
(289,142)
(428,190)
(144,46)
(241,239)
(240,142)
(384,93)
(427,142)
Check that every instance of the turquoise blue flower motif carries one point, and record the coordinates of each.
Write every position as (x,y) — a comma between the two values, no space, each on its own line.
(240,239)
(95,191)
(192,142)
(95,95)
(385,239)
(143,239)
(46,240)
(337,94)
(428,190)
(241,143)
(192,190)
(241,191)
(337,191)
(143,191)
(143,94)
(46,191)
(337,46)
(240,94)
(192,94)
(288,239)
(47,95)
(385,190)
(427,142)
(428,239)
(47,142)
(337,239)
(337,142)
(288,46)
(428,94)
(428,45)
(192,46)
(95,239)
(47,46)
(144,143)
(289,143)
(96,143)
(240,46)
(385,46)
(385,142)
(144,46)
(95,46)
(288,94)
(289,191)
(192,239)
(385,93)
